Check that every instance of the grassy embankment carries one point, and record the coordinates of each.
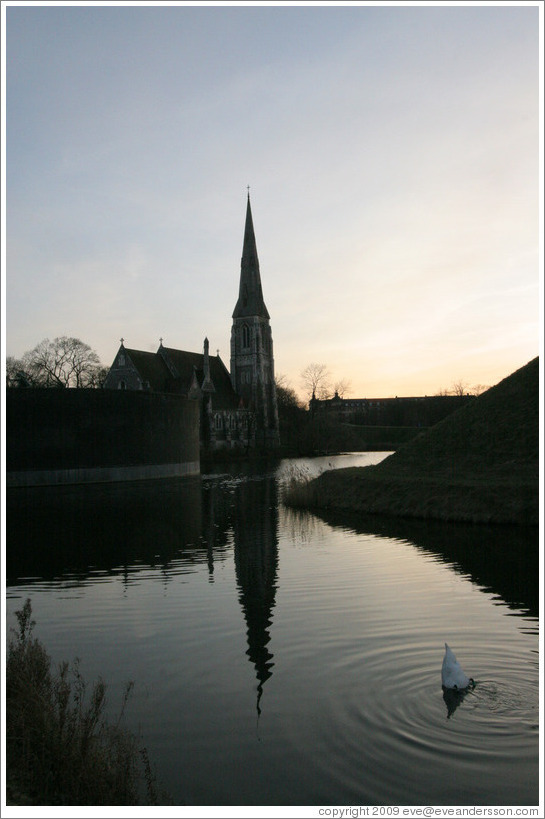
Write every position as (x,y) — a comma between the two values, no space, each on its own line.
(480,464)
(60,750)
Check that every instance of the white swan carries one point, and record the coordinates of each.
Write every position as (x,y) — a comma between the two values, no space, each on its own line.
(452,675)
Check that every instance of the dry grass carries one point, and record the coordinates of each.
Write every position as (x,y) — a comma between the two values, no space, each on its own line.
(365,491)
(60,749)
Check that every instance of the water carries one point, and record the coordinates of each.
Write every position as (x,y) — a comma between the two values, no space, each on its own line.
(284,659)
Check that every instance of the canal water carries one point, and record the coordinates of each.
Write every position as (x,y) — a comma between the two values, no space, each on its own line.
(280,658)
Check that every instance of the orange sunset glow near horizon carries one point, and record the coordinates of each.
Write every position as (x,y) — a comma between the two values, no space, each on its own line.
(393,158)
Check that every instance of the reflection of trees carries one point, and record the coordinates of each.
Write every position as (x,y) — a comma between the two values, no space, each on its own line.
(255,524)
(501,559)
(299,524)
(113,528)
(69,534)
(216,516)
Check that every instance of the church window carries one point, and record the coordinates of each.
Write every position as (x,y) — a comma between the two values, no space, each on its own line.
(245,335)
(121,360)
(122,385)
(218,422)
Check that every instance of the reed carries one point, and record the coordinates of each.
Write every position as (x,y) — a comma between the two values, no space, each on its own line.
(60,749)
(297,487)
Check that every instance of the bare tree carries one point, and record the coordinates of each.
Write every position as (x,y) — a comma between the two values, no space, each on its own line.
(281,381)
(98,377)
(315,380)
(292,414)
(16,376)
(458,387)
(342,387)
(478,389)
(287,398)
(63,362)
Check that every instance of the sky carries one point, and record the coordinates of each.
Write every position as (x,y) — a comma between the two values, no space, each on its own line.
(393,155)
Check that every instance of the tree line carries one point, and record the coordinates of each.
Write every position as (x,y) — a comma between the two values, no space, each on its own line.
(63,362)
(316,381)
(69,362)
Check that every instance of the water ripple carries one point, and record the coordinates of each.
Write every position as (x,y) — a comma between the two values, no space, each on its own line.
(388,715)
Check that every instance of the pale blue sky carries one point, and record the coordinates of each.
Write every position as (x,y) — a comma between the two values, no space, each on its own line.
(392,154)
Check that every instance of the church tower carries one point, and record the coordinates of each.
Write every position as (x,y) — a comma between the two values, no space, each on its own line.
(252,362)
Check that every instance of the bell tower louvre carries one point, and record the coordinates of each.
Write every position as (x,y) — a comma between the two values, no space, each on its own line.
(252,361)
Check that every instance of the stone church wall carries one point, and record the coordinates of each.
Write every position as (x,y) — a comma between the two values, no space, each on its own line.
(79,436)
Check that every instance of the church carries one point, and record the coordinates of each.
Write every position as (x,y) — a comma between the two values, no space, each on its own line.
(238,409)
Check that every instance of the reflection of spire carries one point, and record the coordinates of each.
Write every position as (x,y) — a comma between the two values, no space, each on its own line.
(256,563)
(257,600)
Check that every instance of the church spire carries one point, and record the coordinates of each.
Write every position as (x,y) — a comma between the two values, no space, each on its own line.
(252,360)
(250,296)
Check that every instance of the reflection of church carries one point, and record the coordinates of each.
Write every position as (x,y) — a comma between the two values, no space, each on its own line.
(255,527)
(238,409)
(248,509)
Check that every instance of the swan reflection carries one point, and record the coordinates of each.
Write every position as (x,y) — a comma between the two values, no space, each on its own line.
(453,699)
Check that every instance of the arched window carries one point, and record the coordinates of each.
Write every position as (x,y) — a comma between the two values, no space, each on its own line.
(122,385)
(245,335)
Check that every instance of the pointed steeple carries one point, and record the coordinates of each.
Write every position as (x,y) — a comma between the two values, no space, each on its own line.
(250,295)
(207,384)
(252,359)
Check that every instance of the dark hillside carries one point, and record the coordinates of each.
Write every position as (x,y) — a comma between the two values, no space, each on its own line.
(479,464)
(496,435)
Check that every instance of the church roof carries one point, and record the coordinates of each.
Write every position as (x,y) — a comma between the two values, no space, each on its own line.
(151,368)
(185,365)
(181,365)
(250,297)
(180,371)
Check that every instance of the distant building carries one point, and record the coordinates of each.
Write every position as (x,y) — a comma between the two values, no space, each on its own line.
(238,409)
(421,411)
